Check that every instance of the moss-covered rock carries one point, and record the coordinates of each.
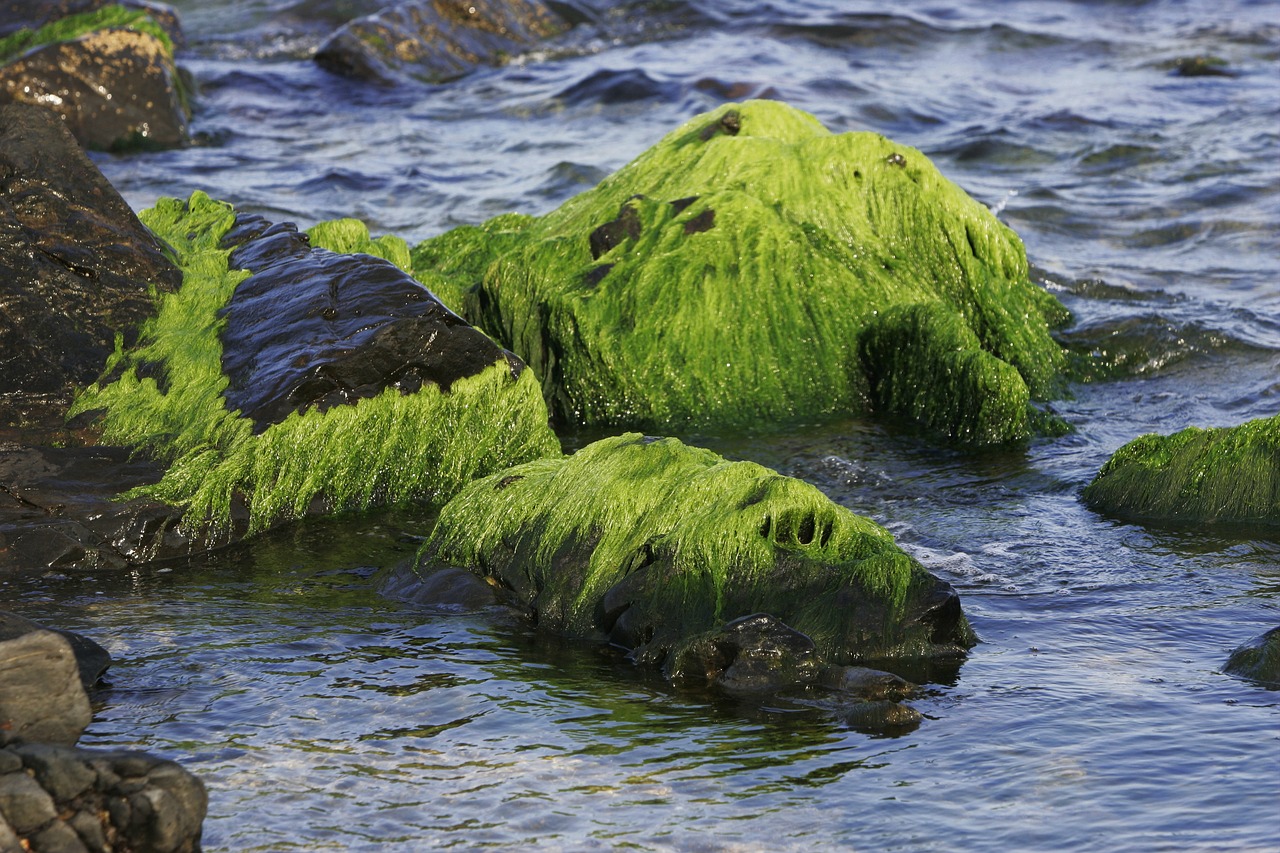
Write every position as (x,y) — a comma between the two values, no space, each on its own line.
(250,385)
(651,545)
(1197,476)
(728,277)
(1258,660)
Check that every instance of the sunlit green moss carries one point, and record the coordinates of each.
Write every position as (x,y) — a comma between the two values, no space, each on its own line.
(1197,475)
(351,236)
(74,26)
(389,449)
(727,275)
(673,541)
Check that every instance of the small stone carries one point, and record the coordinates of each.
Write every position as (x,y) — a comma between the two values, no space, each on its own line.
(1258,660)
(89,827)
(24,804)
(10,762)
(57,837)
(866,683)
(59,770)
(881,716)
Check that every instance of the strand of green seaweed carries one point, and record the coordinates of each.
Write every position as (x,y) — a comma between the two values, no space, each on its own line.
(74,26)
(392,448)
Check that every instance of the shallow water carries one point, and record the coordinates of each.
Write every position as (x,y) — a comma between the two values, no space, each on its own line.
(323,716)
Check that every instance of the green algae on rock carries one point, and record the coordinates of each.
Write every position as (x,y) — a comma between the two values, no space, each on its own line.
(1197,476)
(652,544)
(386,444)
(728,276)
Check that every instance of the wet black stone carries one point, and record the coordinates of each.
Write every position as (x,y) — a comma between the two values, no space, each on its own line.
(320,329)
(607,86)
(269,245)
(896,159)
(75,265)
(615,232)
(1258,660)
(754,654)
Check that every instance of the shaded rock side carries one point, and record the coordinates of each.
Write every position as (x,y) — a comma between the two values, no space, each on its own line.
(69,800)
(436,40)
(731,274)
(1225,475)
(76,268)
(108,73)
(290,380)
(1258,660)
(42,699)
(651,545)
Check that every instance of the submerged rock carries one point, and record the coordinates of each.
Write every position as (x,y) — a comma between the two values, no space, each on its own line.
(107,70)
(653,546)
(1258,660)
(436,40)
(76,268)
(55,798)
(754,267)
(1196,476)
(290,380)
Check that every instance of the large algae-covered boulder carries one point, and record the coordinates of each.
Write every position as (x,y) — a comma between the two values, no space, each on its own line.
(655,546)
(108,72)
(284,379)
(436,40)
(754,267)
(77,268)
(1224,475)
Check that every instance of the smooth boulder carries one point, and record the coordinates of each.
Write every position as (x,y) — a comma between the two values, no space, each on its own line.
(42,696)
(1258,660)
(754,268)
(657,548)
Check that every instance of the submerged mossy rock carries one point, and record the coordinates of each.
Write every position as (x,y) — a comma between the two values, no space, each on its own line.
(109,72)
(1226,475)
(436,40)
(655,546)
(286,380)
(1258,660)
(752,267)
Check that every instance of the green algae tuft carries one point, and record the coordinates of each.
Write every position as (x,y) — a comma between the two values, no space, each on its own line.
(1224,475)
(728,276)
(166,396)
(651,543)
(73,26)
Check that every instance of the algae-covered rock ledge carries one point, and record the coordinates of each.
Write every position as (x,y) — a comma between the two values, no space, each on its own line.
(754,268)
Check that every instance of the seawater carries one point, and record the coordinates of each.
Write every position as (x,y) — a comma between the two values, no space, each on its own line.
(1094,713)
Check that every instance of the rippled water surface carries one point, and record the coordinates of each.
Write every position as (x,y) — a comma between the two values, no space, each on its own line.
(1093,715)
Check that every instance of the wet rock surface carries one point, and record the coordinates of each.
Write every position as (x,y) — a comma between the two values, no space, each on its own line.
(76,268)
(115,87)
(92,660)
(436,40)
(57,798)
(753,655)
(311,328)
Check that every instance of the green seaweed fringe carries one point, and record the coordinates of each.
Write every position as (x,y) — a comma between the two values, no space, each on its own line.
(73,26)
(389,449)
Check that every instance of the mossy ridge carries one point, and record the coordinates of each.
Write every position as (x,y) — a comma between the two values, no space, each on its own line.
(456,261)
(1201,476)
(73,26)
(389,449)
(351,236)
(737,284)
(692,539)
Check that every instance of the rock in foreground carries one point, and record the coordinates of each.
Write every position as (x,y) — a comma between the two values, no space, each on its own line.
(752,267)
(655,547)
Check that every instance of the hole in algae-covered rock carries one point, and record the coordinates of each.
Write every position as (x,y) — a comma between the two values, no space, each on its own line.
(704,221)
(615,232)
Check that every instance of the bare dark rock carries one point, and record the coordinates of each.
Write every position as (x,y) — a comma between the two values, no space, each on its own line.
(76,267)
(436,40)
(311,328)
(752,655)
